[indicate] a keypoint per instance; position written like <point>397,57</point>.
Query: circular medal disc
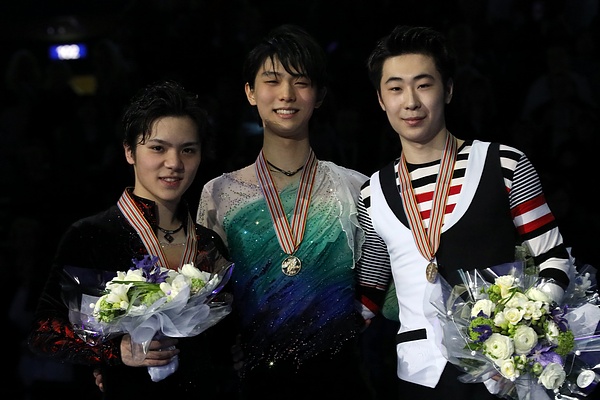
<point>291,265</point>
<point>431,272</point>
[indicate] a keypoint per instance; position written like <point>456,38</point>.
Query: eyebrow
<point>416,78</point>
<point>194,143</point>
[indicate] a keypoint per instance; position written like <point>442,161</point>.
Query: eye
<point>157,148</point>
<point>190,150</point>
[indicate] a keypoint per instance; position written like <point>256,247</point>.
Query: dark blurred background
<point>529,76</point>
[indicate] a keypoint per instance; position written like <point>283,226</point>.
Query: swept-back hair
<point>412,40</point>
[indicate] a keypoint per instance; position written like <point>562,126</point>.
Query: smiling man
<point>444,204</point>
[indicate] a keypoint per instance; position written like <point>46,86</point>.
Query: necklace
<point>168,233</point>
<point>286,173</point>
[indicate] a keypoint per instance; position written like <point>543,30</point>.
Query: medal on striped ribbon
<point>428,243</point>
<point>289,235</point>
<point>135,217</point>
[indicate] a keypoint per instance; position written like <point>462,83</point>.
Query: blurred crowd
<point>529,76</point>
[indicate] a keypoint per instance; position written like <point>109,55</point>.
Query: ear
<point>321,97</point>
<point>129,156</point>
<point>250,94</point>
<point>380,101</point>
<point>449,90</point>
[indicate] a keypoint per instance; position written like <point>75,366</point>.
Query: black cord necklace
<point>168,233</point>
<point>283,171</point>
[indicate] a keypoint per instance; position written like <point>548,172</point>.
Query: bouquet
<point>503,330</point>
<point>147,301</point>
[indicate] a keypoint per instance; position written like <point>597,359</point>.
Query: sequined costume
<point>107,242</point>
<point>289,320</point>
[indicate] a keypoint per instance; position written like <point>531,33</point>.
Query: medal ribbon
<point>289,237</point>
<point>428,243</point>
<point>136,218</point>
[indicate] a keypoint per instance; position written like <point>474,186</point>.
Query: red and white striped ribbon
<point>428,243</point>
<point>135,217</point>
<point>289,237</point>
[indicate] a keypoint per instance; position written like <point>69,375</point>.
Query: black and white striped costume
<point>495,202</point>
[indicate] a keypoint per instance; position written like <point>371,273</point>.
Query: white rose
<point>190,271</point>
<point>553,376</point>
<point>508,369</point>
<point>498,348</point>
<point>500,320</point>
<point>505,283</point>
<point>485,305</point>
<point>536,294</point>
<point>135,275</point>
<point>517,299</point>
<point>513,315</point>
<point>525,339</point>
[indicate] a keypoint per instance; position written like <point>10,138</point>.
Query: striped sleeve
<point>373,268</point>
<point>533,218</point>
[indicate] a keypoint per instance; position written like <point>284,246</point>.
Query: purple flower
<point>557,315</point>
<point>543,354</point>
<point>150,270</point>
<point>484,331</point>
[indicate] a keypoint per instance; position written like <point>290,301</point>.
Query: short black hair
<point>298,52</point>
<point>405,39</point>
<point>158,100</point>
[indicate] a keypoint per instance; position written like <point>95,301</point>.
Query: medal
<point>431,272</point>
<point>291,265</point>
<point>428,240</point>
<point>288,234</point>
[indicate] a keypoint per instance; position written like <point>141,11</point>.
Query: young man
<point>289,221</point>
<point>444,204</point>
<point>166,131</point>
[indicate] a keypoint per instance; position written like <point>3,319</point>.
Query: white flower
<point>533,310</point>
<point>517,299</point>
<point>498,348</point>
<point>485,305</point>
<point>513,315</point>
<point>117,296</point>
<point>505,283</point>
<point>525,339</point>
<point>552,332</point>
<point>553,376</point>
<point>501,321</point>
<point>508,369</point>
<point>536,294</point>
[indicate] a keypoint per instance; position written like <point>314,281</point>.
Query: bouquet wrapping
<point>501,329</point>
<point>147,302</point>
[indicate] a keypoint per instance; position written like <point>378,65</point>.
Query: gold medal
<point>291,265</point>
<point>431,272</point>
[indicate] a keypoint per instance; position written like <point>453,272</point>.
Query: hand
<point>98,379</point>
<point>160,352</point>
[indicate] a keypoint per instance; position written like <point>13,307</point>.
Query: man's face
<point>413,96</point>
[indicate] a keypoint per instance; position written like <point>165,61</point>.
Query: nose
<point>173,160</point>
<point>287,92</point>
<point>412,99</point>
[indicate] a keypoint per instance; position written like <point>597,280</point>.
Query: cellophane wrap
<point>185,315</point>
<point>579,309</point>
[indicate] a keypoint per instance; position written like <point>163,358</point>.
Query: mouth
<point>285,111</point>
<point>170,179</point>
<point>412,121</point>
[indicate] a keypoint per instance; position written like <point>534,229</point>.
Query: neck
<point>289,156</point>
<point>424,152</point>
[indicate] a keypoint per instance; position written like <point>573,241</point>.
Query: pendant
<point>431,272</point>
<point>291,265</point>
<point>169,237</point>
